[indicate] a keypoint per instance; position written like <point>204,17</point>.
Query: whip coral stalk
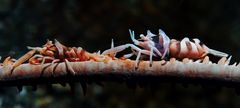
<point>118,70</point>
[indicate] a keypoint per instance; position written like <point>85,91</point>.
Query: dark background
<point>92,24</point>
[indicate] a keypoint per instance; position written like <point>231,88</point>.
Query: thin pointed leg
<point>165,52</point>
<point>166,42</point>
<point>69,67</point>
<point>151,56</point>
<point>150,34</point>
<point>137,59</point>
<point>98,52</point>
<point>123,47</point>
<point>166,46</point>
<point>112,44</point>
<point>146,52</point>
<point>139,55</point>
<point>53,67</point>
<point>132,35</point>
<point>24,58</point>
<point>55,61</point>
<point>116,49</point>
<point>128,55</point>
<point>44,59</point>
<point>157,51</point>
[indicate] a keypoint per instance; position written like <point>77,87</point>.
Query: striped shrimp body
<point>161,46</point>
<point>192,50</point>
<point>59,53</point>
<point>56,53</point>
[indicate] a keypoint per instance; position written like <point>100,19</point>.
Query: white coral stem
<point>172,68</point>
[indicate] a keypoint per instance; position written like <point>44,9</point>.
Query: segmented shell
<point>187,49</point>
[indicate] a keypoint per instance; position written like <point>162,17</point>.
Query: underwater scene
<point>119,54</point>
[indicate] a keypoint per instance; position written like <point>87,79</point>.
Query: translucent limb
<point>99,52</point>
<point>157,51</point>
<point>166,42</point>
<point>46,57</point>
<point>24,58</point>
<point>60,48</point>
<point>128,55</point>
<point>209,50</point>
<point>151,54</point>
<point>34,48</point>
<point>137,59</point>
<point>123,47</point>
<point>217,53</point>
<point>112,46</point>
<point>150,34</point>
<point>69,67</point>
<point>55,61</point>
<point>132,35</point>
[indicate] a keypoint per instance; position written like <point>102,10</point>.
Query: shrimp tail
<point>215,52</point>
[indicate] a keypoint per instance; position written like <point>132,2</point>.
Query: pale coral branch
<point>113,70</point>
